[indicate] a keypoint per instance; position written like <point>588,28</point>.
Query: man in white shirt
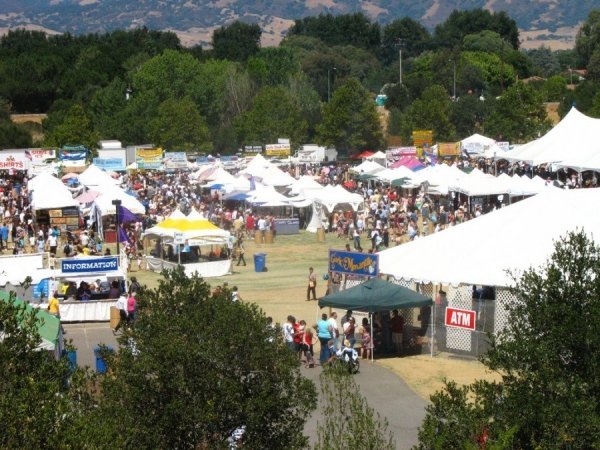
<point>334,326</point>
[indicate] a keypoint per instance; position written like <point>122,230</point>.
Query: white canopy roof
<point>305,183</point>
<point>479,184</point>
<point>48,192</point>
<point>267,196</point>
<point>331,196</point>
<point>389,175</point>
<point>104,202</point>
<point>581,163</point>
<point>515,237</point>
<point>576,134</point>
<point>369,167</point>
<point>478,139</point>
<point>96,177</point>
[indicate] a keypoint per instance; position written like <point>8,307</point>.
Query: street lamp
<point>453,80</point>
<point>399,43</point>
<point>329,83</point>
<point>117,204</point>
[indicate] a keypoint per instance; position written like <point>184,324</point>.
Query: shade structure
<point>104,204</point>
<point>492,248</point>
<point>196,231</point>
<point>94,176</point>
<point>375,295</point>
<point>48,192</point>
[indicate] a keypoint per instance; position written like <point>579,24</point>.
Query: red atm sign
<point>460,318</point>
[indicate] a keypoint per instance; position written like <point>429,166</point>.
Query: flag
<point>122,235</point>
<point>28,155</point>
<point>126,216</point>
<point>252,183</point>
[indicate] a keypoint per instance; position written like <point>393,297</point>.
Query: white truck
<point>312,153</point>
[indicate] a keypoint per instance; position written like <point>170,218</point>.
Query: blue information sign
<point>110,163</point>
<point>354,263</point>
<point>77,265</point>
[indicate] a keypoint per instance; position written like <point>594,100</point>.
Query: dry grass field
<point>281,290</point>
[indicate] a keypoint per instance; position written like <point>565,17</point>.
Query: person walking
<point>121,304</point>
<point>131,308</point>
<point>241,252</point>
<point>312,285</point>
<point>325,334</point>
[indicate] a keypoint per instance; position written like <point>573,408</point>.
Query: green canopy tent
<point>375,295</point>
<point>48,327</point>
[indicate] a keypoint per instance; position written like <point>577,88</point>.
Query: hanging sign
<point>460,318</point>
<point>363,264</point>
<point>86,265</point>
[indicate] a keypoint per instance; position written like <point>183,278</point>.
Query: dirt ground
<point>281,290</point>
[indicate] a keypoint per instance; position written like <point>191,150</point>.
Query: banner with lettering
<point>13,160</point>
<point>81,265</point>
<point>277,149</point>
<point>354,263</point>
<point>149,158</point>
<point>175,160</point>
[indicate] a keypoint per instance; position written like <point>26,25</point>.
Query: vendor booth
<point>195,243</point>
<point>53,203</point>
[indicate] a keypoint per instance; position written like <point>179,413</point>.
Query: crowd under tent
<point>581,163</point>
<point>577,135</point>
<point>487,248</point>
<point>193,242</point>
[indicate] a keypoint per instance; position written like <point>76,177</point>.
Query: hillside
<point>550,21</point>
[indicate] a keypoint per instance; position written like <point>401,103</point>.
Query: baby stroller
<point>349,358</point>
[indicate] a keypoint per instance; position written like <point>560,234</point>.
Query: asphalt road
<point>388,394</point>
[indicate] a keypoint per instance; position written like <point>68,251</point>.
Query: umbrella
<point>88,197</point>
<point>69,175</point>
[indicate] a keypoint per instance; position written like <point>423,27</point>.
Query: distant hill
<point>553,22</point>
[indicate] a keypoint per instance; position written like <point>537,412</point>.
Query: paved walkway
<point>388,394</point>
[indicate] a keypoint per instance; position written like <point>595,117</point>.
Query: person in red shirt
<point>249,225</point>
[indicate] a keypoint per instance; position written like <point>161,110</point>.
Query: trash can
<point>100,363</point>
<point>72,358</point>
<point>260,260</point>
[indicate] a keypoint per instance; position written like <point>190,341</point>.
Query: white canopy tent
<point>95,177</point>
<point>305,183</point>
<point>515,237</point>
<point>48,192</point>
<point>389,175</point>
<point>104,206</point>
<point>577,135</point>
<point>368,167</point>
<point>581,163</point>
<point>476,144</point>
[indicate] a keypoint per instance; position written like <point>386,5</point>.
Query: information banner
<point>422,138</point>
<point>149,158</point>
<point>175,160</point>
<point>277,149</point>
<point>77,265</point>
<point>110,163</point>
<point>353,263</point>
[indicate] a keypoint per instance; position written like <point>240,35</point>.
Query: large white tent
<point>95,177</point>
<point>576,134</point>
<point>104,206</point>
<point>368,167</point>
<point>481,250</point>
<point>476,144</point>
<point>48,192</point>
<point>581,163</point>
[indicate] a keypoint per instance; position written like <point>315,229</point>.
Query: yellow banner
<point>448,149</point>
<point>422,138</point>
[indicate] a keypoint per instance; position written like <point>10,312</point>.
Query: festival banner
<point>110,163</point>
<point>353,263</point>
<point>277,149</point>
<point>86,265</point>
<point>13,160</point>
<point>149,158</point>
<point>175,160</point>
<point>73,155</point>
<point>39,155</point>
<point>503,145</point>
<point>422,138</point>
<point>252,150</point>
<point>449,149</point>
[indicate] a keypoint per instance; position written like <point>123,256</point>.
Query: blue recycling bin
<point>72,358</point>
<point>260,260</point>
<point>100,362</point>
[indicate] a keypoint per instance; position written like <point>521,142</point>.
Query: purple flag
<point>122,235</point>
<point>126,216</point>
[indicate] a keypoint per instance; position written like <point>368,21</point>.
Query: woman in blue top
<point>324,333</point>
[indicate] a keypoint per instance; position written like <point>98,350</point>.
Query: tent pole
<point>432,329</point>
<point>372,338</point>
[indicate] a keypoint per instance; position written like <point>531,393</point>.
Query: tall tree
<point>588,38</point>
<point>406,35</point>
<point>75,128</point>
<point>547,356</point>
<point>350,120</point>
<point>179,126</point>
<point>236,42</point>
<point>519,115</point>
<point>196,367</point>
<point>432,111</point>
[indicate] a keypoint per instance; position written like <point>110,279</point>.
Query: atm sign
<point>460,318</point>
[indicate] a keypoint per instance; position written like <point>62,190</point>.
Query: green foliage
<point>549,396</point>
<point>519,115</point>
<point>236,42</point>
<point>349,29</point>
<point>462,23</point>
<point>275,113</point>
<point>194,368</point>
<point>588,38</point>
<point>39,399</point>
<point>179,126</point>
<point>350,120</point>
<point>75,128</point>
<point>494,71</point>
<point>469,113</point>
<point>485,41</point>
<point>544,61</point>
<point>554,89</point>
<point>431,112</point>
<point>348,420</point>
<point>273,65</point>
<point>404,34</point>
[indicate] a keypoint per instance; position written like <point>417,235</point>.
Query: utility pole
<point>399,44</point>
